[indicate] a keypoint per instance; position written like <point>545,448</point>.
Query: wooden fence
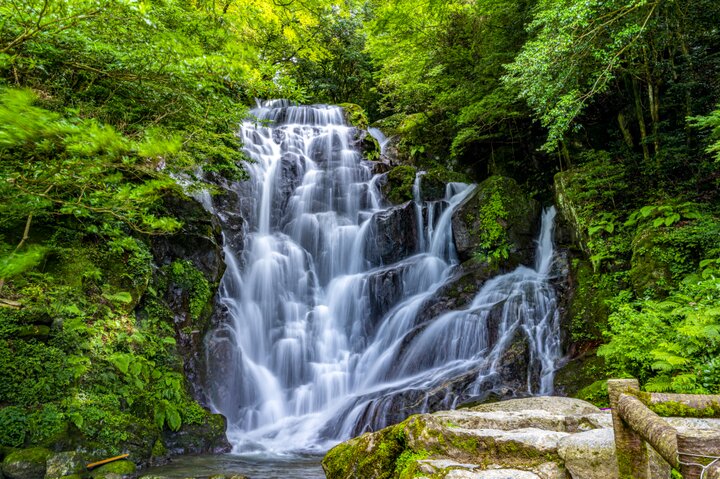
<point>693,452</point>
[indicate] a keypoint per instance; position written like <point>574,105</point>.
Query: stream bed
<point>254,466</point>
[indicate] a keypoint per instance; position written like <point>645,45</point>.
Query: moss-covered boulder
<point>122,469</point>
<point>206,436</point>
<point>397,185</point>
<point>433,183</point>
<point>522,435</point>
<point>355,115</point>
<point>497,222</point>
<point>26,463</point>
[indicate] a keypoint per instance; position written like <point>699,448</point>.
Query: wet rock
<point>394,235</point>
<point>497,220</point>
<point>458,291</point>
<point>206,438</point>
<point>434,182</point>
<point>64,464</point>
<point>198,246</point>
<point>26,463</point>
<point>234,202</point>
<point>385,290</point>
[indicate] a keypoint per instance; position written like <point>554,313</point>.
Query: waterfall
<point>323,337</point>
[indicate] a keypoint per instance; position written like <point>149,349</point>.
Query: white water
<point>310,354</point>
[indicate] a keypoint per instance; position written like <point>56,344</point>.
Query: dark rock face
<point>459,291</point>
<point>199,243</point>
<point>394,234</point>
<point>498,215</point>
<point>206,438</point>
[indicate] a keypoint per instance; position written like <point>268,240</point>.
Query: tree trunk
<point>641,121</point>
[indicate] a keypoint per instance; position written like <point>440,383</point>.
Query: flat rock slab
<point>503,420</point>
<point>491,474</point>
<point>551,404</point>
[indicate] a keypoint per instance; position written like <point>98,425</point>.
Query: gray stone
<point>491,474</point>
<point>550,404</point>
<point>64,464</point>
<point>505,421</point>
<point>590,454</point>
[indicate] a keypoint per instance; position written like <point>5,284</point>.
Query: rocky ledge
<point>531,438</point>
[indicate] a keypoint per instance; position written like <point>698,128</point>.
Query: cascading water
<point>323,338</point>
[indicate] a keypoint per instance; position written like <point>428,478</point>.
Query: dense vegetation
<point>104,104</point>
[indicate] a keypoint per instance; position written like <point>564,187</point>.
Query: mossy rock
<point>207,436</point>
<point>497,222</point>
<point>434,182</point>
<point>588,311</point>
<point>398,184</point>
<point>26,463</point>
<point>579,374</point>
<point>122,467</point>
<point>395,452</point>
<point>596,393</point>
<point>372,455</point>
<point>355,115</point>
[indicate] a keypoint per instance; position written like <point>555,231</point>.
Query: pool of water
<point>295,466</point>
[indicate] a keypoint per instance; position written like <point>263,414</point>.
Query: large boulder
<point>26,463</point>
<point>207,437</point>
<point>392,235</point>
<point>497,222</point>
<point>519,435</point>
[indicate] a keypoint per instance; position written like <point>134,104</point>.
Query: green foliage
<point>710,122</point>
<point>493,239</point>
<point>188,277</point>
<point>399,185</point>
<point>673,343</point>
<point>13,422</point>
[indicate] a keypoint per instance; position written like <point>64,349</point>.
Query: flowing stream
<point>324,335</point>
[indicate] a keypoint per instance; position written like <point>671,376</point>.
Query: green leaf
<point>120,297</point>
<point>121,361</point>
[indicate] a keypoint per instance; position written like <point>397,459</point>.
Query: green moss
<point>399,186</point>
<point>406,464</point>
<point>596,393</point>
<point>676,409</point>
<point>185,275</point>
<point>588,311</point>
<point>501,207</point>
<point>37,455</point>
<point>355,115</point>
<point>159,449</point>
<point>121,467</point>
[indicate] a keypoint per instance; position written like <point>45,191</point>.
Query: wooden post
<point>698,448</point>
<point>654,430</point>
<point>632,455</point>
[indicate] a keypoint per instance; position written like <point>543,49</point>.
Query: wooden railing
<point>693,452</point>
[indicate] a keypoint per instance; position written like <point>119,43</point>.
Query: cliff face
<point>103,347</point>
